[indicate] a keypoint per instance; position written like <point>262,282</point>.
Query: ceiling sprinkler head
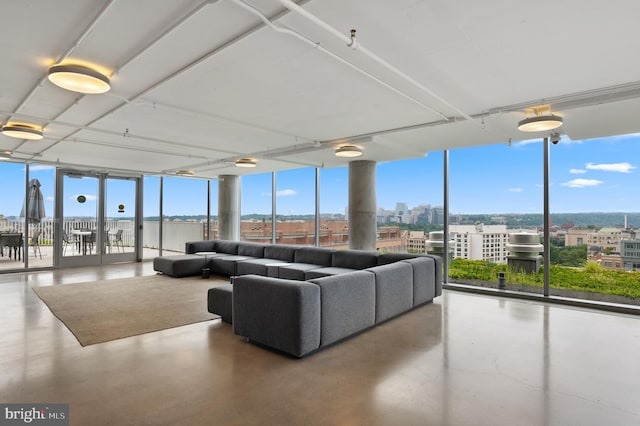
<point>353,43</point>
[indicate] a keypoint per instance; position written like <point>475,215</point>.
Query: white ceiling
<point>197,84</point>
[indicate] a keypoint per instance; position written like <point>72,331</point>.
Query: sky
<point>586,176</point>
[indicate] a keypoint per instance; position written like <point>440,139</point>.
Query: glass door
<point>120,216</point>
<point>98,218</point>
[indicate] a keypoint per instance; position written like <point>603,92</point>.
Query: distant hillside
<point>597,219</point>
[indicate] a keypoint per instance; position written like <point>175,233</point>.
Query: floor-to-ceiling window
<point>334,200</point>
<point>409,194</point>
<point>184,212</point>
<point>256,209</point>
<point>11,224</point>
<point>295,206</point>
<point>496,191</point>
<point>595,213</point>
<point>41,231</point>
<point>151,217</point>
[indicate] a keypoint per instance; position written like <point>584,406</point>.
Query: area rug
<point>100,311</point>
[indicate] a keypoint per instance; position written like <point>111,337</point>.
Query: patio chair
<point>35,243</point>
<point>65,242</point>
<point>117,240</point>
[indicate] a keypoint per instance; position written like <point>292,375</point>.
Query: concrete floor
<point>464,360</point>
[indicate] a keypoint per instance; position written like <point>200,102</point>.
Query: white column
<point>229,207</point>
<point>362,205</point>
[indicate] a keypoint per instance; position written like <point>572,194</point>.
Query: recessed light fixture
<point>78,78</point>
<point>5,154</point>
<point>246,162</point>
<point>185,172</point>
<point>22,131</point>
<point>348,151</point>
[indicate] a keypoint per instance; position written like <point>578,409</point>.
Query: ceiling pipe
<point>216,50</point>
<point>324,50</point>
<point>357,45</point>
<point>66,54</point>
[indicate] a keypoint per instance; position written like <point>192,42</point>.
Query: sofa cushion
<point>326,272</point>
<point>313,255</point>
<point>394,289</point>
<point>226,265</point>
<point>182,265</point>
<point>256,266</point>
<point>386,258</point>
<point>280,252</point>
<point>220,301</point>
<point>224,246</point>
<point>191,247</point>
<point>250,249</point>
<point>424,288</point>
<point>282,314</point>
<point>296,271</point>
<point>348,305</point>
<point>354,259</point>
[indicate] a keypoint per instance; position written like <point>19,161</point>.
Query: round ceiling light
<point>540,123</point>
<point>246,162</point>
<point>185,172</point>
<point>348,151</point>
<point>22,131</point>
<point>79,79</point>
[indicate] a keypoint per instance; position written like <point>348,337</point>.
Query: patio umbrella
<point>36,203</point>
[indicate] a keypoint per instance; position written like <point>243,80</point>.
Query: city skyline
<point>597,175</point>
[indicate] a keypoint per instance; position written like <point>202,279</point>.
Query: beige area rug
<point>100,311</point>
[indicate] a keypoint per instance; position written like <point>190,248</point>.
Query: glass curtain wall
<point>295,207</point>
<point>496,193</point>
<point>595,214</point>
<point>11,224</point>
<point>213,225</point>
<point>41,231</point>
<point>151,219</point>
<point>256,210</point>
<point>410,200</point>
<point>184,212</point>
<point>334,200</point>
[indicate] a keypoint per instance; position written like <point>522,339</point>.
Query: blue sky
<point>586,176</point>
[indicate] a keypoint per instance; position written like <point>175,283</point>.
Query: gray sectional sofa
<point>301,299</point>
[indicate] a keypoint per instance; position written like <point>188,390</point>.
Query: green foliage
<point>568,256</point>
<point>591,278</point>
<point>592,267</point>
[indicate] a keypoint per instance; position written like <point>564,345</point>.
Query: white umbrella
<point>36,203</point>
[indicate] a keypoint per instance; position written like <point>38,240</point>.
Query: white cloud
<point>286,193</point>
<point>577,171</point>
<point>582,183</point>
<point>40,167</point>
<point>613,167</point>
<point>515,189</point>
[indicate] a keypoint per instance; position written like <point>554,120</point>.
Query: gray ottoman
<point>182,265</point>
<point>220,302</point>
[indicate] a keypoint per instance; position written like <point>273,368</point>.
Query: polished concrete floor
<point>464,360</point>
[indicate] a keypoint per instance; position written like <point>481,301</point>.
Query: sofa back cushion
<point>251,249</point>
<point>394,289</point>
<point>224,246</point>
<point>348,303</point>
<point>386,258</point>
<point>314,256</point>
<point>354,259</point>
<point>191,247</point>
<point>280,252</point>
